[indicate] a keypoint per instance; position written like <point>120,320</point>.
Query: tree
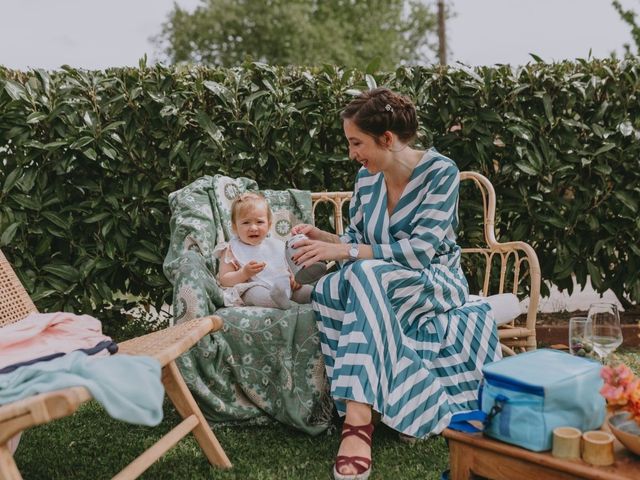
<point>629,17</point>
<point>351,33</point>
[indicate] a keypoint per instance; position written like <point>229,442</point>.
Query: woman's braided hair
<point>379,110</point>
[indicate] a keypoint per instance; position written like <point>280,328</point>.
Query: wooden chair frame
<point>511,256</point>
<point>165,346</point>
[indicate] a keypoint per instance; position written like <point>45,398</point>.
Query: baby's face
<point>252,225</point>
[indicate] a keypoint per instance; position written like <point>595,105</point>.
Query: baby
<point>253,269</point>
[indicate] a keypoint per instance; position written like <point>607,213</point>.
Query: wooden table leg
<point>461,461</point>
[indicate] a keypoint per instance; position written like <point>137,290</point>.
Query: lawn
<point>91,445</point>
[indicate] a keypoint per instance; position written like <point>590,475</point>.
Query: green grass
<point>91,445</point>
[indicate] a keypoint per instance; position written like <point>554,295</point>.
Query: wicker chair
<point>165,346</point>
<point>518,269</point>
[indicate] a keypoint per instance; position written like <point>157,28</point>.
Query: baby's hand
<point>252,268</point>
<point>294,285</point>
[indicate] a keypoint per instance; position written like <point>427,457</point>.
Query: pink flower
<point>633,405</point>
<point>621,389</point>
<point>632,389</point>
<point>624,374</point>
<point>614,395</point>
<point>607,374</point>
<point>618,375</point>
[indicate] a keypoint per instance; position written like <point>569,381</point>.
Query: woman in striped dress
<point>399,342</point>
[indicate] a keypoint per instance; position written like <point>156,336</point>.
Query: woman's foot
<point>353,461</point>
<point>354,456</point>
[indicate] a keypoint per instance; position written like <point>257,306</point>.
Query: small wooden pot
<point>566,442</point>
<point>597,448</point>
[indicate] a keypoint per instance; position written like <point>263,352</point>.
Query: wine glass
<point>579,342</point>
<point>605,332</point>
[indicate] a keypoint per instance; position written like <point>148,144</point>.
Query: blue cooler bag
<point>525,397</point>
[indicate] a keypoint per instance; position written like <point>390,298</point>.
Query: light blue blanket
<point>128,387</point>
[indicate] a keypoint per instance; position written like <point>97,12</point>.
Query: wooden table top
<point>626,466</point>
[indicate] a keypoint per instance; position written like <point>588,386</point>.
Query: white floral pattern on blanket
<point>265,364</point>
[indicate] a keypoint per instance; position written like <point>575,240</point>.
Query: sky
<point>485,32</point>
<point>96,34</point>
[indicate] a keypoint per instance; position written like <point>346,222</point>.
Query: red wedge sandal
<point>361,464</point>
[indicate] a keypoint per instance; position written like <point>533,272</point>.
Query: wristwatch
<point>354,249</point>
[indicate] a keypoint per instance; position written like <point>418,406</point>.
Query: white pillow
<point>505,306</point>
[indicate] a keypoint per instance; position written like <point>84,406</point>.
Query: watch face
<point>353,253</point>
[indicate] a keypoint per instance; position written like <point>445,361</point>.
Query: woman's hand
<point>314,233</point>
<point>309,252</point>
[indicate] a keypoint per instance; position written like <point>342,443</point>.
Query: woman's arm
<point>328,246</point>
<point>432,221</point>
<point>309,252</point>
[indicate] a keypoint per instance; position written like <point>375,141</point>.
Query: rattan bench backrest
<point>15,303</point>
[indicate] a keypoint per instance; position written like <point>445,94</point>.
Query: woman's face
<point>363,148</point>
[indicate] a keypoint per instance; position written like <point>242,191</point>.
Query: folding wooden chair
<point>165,346</point>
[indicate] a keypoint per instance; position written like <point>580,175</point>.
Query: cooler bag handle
<point>460,421</point>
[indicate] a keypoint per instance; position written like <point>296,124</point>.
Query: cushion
<point>289,207</point>
<point>505,306</point>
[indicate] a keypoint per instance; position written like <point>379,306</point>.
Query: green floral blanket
<point>265,364</point>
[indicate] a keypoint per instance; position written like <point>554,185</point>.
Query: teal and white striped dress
<point>395,330</point>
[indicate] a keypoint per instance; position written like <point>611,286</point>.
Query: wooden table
<point>474,454</point>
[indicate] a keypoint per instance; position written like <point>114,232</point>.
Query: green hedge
<point>87,159</point>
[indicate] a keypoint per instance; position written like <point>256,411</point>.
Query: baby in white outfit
<point>253,269</point>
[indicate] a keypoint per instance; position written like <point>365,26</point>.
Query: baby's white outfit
<point>275,274</point>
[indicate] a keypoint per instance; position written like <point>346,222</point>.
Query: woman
<point>397,337</point>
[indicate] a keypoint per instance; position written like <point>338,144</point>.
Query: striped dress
<point>395,330</point>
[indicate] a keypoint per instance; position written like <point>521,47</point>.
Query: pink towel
<point>13,442</point>
<point>42,334</point>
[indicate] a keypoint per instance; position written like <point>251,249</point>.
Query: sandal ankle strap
<point>364,432</point>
